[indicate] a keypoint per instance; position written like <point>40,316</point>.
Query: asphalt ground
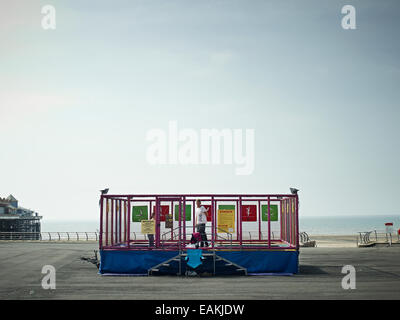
<point>320,276</point>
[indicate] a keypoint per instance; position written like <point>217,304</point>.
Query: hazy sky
<point>76,102</point>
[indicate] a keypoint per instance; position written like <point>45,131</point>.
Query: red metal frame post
<point>112,222</point>
<point>106,233</point>
<point>172,212</point>
<point>101,223</point>
<point>184,221</point>
<point>213,224</point>
<point>240,219</point>
<point>269,222</point>
<point>180,226</point>
<point>297,222</point>
<point>193,213</point>
<point>157,220</point>
<point>290,222</point>
<point>129,221</point>
<point>259,220</point>
<point>120,221</point>
<point>280,219</point>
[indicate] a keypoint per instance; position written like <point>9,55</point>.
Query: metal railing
<point>175,235</point>
<point>370,237</point>
<point>49,236</point>
<point>304,238</point>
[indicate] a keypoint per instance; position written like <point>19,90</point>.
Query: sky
<point>77,102</point>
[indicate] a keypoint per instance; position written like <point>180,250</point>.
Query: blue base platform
<point>139,262</point>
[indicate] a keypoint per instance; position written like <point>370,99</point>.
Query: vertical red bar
<point>112,222</point>
<point>297,222</point>
<point>126,222</point>
<point>180,225</point>
<point>129,221</point>
<point>280,219</point>
<point>269,222</point>
<point>287,231</point>
<point>291,221</point>
<point>106,233</point>
<point>294,220</point>
<point>237,222</point>
<point>283,220</point>
<point>120,221</point>
<point>239,208</point>
<point>193,213</point>
<point>101,223</point>
<point>172,213</point>
<point>157,216</point>
<point>259,220</point>
<point>184,221</point>
<point>213,228</point>
<point>288,220</point>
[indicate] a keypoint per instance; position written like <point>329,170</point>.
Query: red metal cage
<point>261,221</point>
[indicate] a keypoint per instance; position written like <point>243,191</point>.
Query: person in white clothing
<point>201,220</point>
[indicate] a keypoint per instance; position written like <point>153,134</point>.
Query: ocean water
<point>329,225</point>
<point>336,225</point>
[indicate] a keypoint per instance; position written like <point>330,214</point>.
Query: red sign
<point>164,210</point>
<point>208,213</point>
<point>249,212</point>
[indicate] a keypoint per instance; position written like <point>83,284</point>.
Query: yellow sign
<point>226,221</point>
<point>169,223</point>
<point>148,226</point>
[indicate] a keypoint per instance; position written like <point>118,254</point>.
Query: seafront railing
<point>49,236</point>
<point>366,238</point>
<point>94,236</point>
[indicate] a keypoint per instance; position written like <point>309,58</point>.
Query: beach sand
<point>335,241</point>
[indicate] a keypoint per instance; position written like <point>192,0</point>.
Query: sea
<point>322,225</point>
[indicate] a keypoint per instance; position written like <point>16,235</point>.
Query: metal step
<point>203,254</point>
<point>222,262</point>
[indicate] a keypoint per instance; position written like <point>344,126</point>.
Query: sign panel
<point>226,221</point>
<point>273,212</point>
<point>188,212</point>
<point>148,226</point>
<point>208,213</point>
<point>249,212</point>
<point>168,221</point>
<point>164,210</point>
<point>139,213</point>
<point>389,227</point>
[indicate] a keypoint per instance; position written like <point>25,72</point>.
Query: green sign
<point>273,212</point>
<point>139,213</point>
<point>226,207</point>
<point>188,212</point>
